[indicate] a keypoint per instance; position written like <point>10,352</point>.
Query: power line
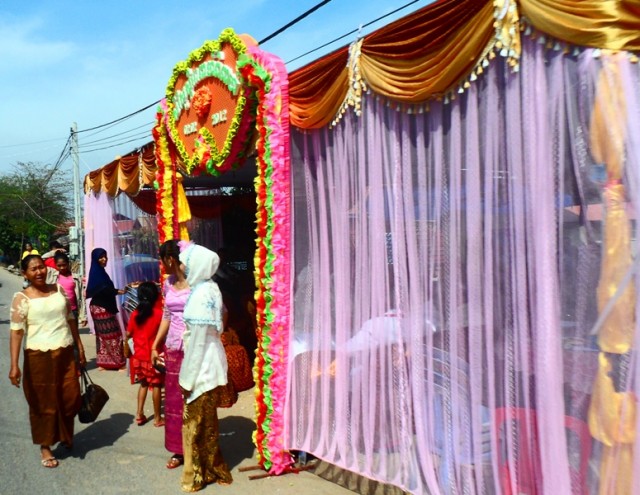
<point>14,195</point>
<point>111,139</point>
<point>120,119</point>
<point>295,21</point>
<point>145,125</point>
<point>261,42</point>
<point>64,154</point>
<point>352,31</point>
<point>112,146</point>
<point>33,142</point>
<point>264,40</point>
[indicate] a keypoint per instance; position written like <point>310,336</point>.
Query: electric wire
<point>64,154</point>
<point>264,40</point>
<point>112,146</point>
<point>279,31</point>
<point>106,128</point>
<point>120,119</point>
<point>31,143</point>
<point>15,195</point>
<point>293,22</point>
<point>111,139</point>
<point>353,31</point>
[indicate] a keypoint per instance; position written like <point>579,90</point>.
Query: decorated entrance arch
<point>222,96</point>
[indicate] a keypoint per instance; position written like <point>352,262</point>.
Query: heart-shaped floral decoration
<point>209,108</point>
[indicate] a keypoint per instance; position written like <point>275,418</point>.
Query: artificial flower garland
<point>268,75</point>
<point>169,226</point>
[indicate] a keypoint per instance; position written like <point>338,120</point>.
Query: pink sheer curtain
<point>445,285</point>
<point>99,227</point>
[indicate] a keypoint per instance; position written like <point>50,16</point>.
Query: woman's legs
<point>158,420</point>
<point>175,461</point>
<point>142,397</point>
<point>47,458</point>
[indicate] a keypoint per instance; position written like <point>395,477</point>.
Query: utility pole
<point>77,197</point>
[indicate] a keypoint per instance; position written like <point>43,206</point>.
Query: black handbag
<point>94,397</point>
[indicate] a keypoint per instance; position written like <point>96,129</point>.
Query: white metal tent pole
<point>77,197</point>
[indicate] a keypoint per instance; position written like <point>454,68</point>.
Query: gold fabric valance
<point>610,24</point>
<point>410,60</point>
<point>423,55</point>
<point>431,52</point>
<point>127,174</point>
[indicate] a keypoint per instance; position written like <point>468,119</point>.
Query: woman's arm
<point>19,312</point>
<point>73,325</point>
<point>15,343</point>
<point>82,309</point>
<point>163,330</point>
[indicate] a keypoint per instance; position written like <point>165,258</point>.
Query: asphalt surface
<point>114,455</point>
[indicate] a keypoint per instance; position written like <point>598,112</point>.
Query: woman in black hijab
<point>103,309</point>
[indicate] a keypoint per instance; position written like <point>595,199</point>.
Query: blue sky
<point>95,62</point>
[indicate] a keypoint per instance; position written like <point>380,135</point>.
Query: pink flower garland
<point>273,114</point>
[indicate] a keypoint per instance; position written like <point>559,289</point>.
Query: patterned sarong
<point>109,339</point>
<point>173,401</point>
<point>203,462</point>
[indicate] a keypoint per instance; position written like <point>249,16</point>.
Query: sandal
<point>140,420</point>
<point>175,461</point>
<point>50,462</point>
<point>159,423</point>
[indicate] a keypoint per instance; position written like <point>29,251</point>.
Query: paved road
<point>114,455</point>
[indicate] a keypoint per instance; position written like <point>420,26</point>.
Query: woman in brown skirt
<point>42,313</point>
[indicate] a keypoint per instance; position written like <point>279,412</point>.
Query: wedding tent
<point>436,309</point>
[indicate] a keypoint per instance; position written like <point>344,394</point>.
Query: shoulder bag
<point>94,397</point>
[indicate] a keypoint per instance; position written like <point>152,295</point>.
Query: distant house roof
<point>125,226</point>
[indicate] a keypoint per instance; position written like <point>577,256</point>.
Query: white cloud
<point>23,48</point>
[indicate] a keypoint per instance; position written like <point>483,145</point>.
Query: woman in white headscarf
<point>203,374</point>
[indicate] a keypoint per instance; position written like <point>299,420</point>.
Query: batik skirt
<point>203,462</point>
<point>109,339</point>
<point>173,401</point>
<point>52,390</point>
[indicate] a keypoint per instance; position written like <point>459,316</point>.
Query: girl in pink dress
<point>176,293</point>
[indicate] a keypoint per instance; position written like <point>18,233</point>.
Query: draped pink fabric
<point>99,227</point>
<point>445,288</point>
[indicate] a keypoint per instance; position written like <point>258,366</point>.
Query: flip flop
<point>175,462</point>
<point>158,424</point>
<point>141,420</point>
<point>49,463</point>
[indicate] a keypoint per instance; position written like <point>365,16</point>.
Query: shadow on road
<point>235,439</point>
<point>102,433</point>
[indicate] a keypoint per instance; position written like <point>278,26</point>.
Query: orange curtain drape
<point>410,60</point>
<point>317,90</point>
<point>124,174</point>
<point>611,24</point>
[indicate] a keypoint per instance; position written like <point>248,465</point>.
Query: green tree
<point>34,200</point>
